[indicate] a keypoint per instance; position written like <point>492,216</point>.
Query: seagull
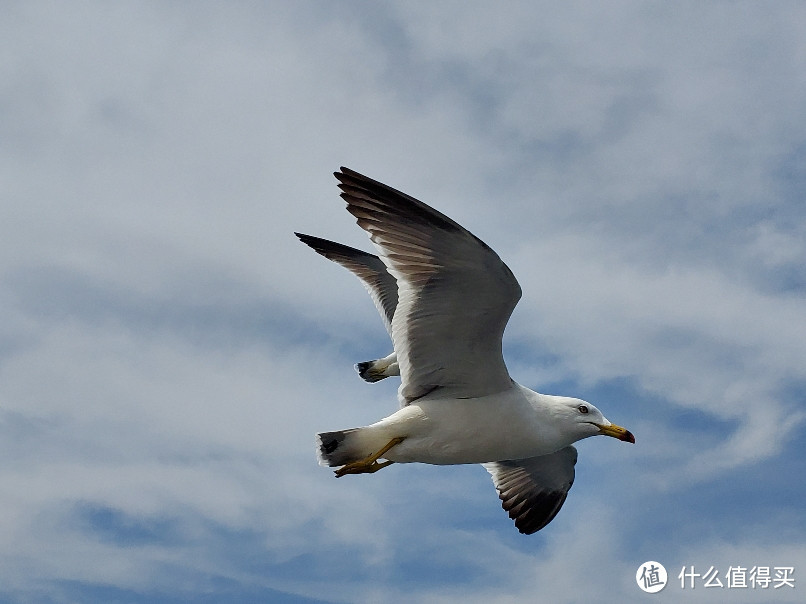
<point>446,297</point>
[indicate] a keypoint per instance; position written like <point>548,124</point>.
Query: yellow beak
<point>616,432</point>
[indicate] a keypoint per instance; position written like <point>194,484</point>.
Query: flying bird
<point>445,297</point>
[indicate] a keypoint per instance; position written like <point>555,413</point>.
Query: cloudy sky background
<point>168,349</point>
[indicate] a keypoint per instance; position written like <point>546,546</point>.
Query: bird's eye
<point>583,408</point>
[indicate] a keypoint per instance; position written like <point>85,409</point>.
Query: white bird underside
<point>445,298</point>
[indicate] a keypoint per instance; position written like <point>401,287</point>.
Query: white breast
<point>454,431</point>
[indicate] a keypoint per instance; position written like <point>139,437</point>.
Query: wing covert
<point>455,295</point>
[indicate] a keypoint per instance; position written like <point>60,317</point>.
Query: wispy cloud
<point>168,350</point>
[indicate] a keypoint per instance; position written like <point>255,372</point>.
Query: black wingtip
<point>316,243</point>
<point>308,240</point>
<point>332,250</point>
<point>345,174</point>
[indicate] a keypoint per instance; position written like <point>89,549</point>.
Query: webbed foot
<point>370,464</point>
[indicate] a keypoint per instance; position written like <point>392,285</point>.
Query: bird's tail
<point>379,369</point>
<point>368,372</point>
<point>342,447</point>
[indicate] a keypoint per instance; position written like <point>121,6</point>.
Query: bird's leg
<point>369,464</point>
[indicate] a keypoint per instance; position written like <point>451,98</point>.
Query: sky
<point>168,349</point>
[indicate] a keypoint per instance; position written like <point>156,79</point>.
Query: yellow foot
<point>361,467</point>
<point>369,465</point>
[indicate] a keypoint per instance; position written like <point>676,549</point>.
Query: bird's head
<point>589,421</point>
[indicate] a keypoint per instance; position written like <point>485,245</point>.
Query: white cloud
<point>167,348</point>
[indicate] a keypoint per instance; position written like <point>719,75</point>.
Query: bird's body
<point>445,298</point>
<point>512,424</point>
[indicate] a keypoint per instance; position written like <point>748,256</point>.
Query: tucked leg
<point>370,464</point>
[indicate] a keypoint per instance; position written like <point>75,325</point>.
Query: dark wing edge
<point>533,490</point>
<point>372,272</point>
<point>352,182</point>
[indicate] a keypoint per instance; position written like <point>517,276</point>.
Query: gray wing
<point>455,295</point>
<point>533,490</point>
<point>381,286</point>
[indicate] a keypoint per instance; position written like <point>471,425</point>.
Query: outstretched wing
<point>367,267</point>
<point>533,490</point>
<point>455,295</point>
